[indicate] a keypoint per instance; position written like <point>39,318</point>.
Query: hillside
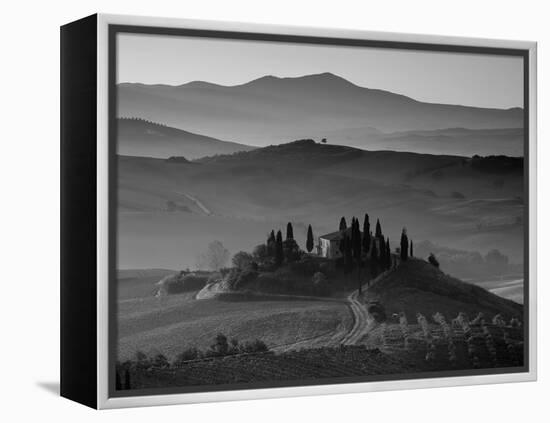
<point>137,137</point>
<point>166,205</point>
<point>271,109</point>
<point>440,174</point>
<point>418,287</point>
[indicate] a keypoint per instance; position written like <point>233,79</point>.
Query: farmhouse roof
<point>334,236</point>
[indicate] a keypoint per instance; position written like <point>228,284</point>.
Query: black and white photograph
<point>296,213</point>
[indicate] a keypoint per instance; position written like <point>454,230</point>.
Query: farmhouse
<point>329,244</point>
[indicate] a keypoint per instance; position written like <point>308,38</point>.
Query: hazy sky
<point>452,78</point>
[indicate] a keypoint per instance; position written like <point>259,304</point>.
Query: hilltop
<point>416,286</point>
<point>493,176</point>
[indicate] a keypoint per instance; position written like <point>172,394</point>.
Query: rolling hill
<point>239,198</point>
<point>271,109</point>
<point>416,286</point>
<point>137,137</point>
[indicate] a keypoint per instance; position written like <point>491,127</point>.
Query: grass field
<point>171,324</point>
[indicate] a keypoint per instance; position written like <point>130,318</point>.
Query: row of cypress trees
<point>287,249</point>
<point>354,245</point>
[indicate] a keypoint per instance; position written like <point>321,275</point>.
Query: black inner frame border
<point>115,29</point>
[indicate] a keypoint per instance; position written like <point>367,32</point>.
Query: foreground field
<point>171,324</point>
<point>487,348</point>
<point>411,319</point>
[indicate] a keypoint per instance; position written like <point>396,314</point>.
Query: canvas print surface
<point>298,213</point>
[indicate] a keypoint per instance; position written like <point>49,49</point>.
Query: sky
<point>434,77</point>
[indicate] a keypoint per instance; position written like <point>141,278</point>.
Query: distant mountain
<point>271,110</point>
<point>137,137</point>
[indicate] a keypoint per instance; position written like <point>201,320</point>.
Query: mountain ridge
<point>270,109</point>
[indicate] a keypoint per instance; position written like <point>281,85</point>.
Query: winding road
<point>362,324</point>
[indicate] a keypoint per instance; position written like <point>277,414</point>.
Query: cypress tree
<point>366,234</point>
<point>343,225</point>
<point>271,244</point>
<point>382,253</point>
<point>127,384</point>
<point>348,255</point>
<point>411,253</point>
<point>356,239</point>
<point>378,233</point>
<point>374,258</point>
<point>388,254</point>
<point>309,240</point>
<point>404,245</point>
<point>289,231</point>
<point>279,253</point>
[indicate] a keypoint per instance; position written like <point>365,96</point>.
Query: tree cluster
<point>285,250</point>
<point>355,245</point>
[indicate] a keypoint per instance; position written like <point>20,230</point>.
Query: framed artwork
<point>254,211</point>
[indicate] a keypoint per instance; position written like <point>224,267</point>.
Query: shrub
<point>234,347</point>
<point>183,282</point>
<point>433,261</point>
<point>242,260</point>
<point>220,347</point>
<point>239,279</point>
<point>254,346</point>
<point>142,361</point>
<point>260,252</point>
<point>186,355</point>
<point>499,321</point>
<point>160,362</point>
